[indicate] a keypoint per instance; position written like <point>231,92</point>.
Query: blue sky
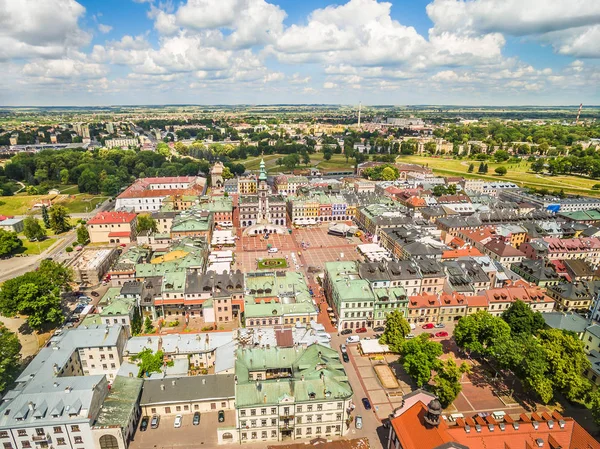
<point>471,52</point>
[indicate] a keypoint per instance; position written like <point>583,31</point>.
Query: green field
<point>517,173</point>
<point>22,204</point>
<point>337,162</point>
<point>35,248</point>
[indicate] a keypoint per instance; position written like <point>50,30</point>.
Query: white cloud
<point>329,85</point>
<point>62,69</point>
<point>30,28</point>
<point>297,78</point>
<point>104,28</point>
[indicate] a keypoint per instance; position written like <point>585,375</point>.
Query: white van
<point>273,250</point>
<point>352,339</point>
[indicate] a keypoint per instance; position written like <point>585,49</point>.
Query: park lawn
<point>35,248</point>
<point>337,162</point>
<point>82,203</point>
<point>517,173</point>
<point>265,264</point>
<point>20,204</point>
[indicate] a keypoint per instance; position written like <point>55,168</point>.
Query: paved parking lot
<point>281,241</point>
<point>187,436</point>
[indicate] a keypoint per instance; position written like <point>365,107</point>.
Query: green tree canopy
<point>149,362</point>
<point>522,319</point>
<point>146,223</point>
<point>396,329</point>
<point>478,332</point>
<point>10,357</point>
<point>9,242</point>
<point>59,219</point>
<point>447,380</point>
<point>419,357</point>
<point>33,229</point>
<point>83,236</point>
<point>501,170</point>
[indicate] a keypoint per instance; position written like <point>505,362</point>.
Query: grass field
<point>337,162</point>
<point>517,173</point>
<point>23,204</point>
<point>35,248</point>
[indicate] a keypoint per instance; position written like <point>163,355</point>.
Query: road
<point>17,266</point>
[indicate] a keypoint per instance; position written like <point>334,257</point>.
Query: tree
<point>146,223</point>
<point>9,242</point>
<point>10,357</point>
<point>447,381</point>
<point>149,362</point>
<point>64,176</point>
<point>136,321</point>
<point>396,329</point>
<point>89,182</point>
<point>111,185</point>
<point>522,319</point>
<point>83,236</point>
<point>327,154</point>
<point>36,294</point>
<point>32,229</point>
<point>387,174</point>
<point>481,168</point>
<point>501,156</point>
<point>501,170</point>
<point>227,173</point>
<point>419,357</point>
<point>291,160</point>
<point>148,328</point>
<point>163,149</point>
<point>59,219</point>
<point>45,217</point>
<point>306,158</point>
<point>471,168</point>
<point>538,165</point>
<point>478,332</point>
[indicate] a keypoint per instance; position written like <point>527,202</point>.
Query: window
<point>75,428</point>
<point>253,412</point>
<point>253,423</point>
<point>60,441</point>
<point>273,434</point>
<point>309,431</point>
<point>299,408</point>
<point>273,410</point>
<point>273,422</point>
<point>263,422</point>
<point>153,410</point>
<point>22,432</point>
<point>242,412</point>
<point>254,435</point>
<point>309,418</point>
<point>244,436</point>
<point>8,446</point>
<point>264,434</point>
<point>39,432</point>
<point>318,430</point>
<point>26,444</point>
<point>178,408</point>
<point>338,416</point>
<point>319,407</point>
<point>78,440</point>
<point>340,405</point>
<point>309,408</point>
<point>4,434</point>
<point>57,430</point>
<point>223,404</point>
<point>298,431</point>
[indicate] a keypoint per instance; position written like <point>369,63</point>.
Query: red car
<point>428,326</point>
<point>361,330</point>
<point>441,334</point>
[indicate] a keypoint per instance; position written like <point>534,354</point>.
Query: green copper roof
<point>263,172</point>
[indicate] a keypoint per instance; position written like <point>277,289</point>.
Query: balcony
<point>286,417</point>
<point>286,425</point>
<point>38,438</point>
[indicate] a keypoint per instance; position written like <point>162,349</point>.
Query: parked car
<point>346,331</point>
<point>379,329</point>
<point>352,339</point>
<point>196,420</point>
<point>409,336</point>
<point>440,326</point>
<point>358,422</point>
<point>144,424</point>
<point>428,326</point>
<point>361,330</point>
<point>177,423</point>
<point>366,403</point>
<point>96,294</point>
<point>441,334</point>
<point>221,416</point>
<point>155,421</point>
<point>343,348</point>
<point>273,250</point>
<point>345,357</point>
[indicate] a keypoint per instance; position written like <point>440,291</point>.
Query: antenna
<point>360,104</point>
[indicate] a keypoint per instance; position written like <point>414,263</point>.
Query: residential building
<point>418,424</point>
<point>572,296</point>
<point>540,272</point>
<point>147,194</point>
<point>503,253</point>
<point>187,395</point>
<point>289,185</point>
<point>247,185</point>
<point>112,227</point>
<point>423,308</point>
<point>12,224</point>
<point>290,393</point>
<point>122,142</point>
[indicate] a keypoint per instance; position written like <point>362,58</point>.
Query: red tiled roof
<point>456,253</point>
<point>414,434</point>
<point>502,249</point>
<point>423,300</point>
<point>119,234</point>
<point>112,217</point>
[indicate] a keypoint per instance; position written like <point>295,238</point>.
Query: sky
<point>451,52</point>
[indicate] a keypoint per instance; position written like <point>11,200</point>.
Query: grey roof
<point>121,403</point>
<point>187,389</point>
<point>179,343</point>
<point>219,284</point>
<point>132,288</point>
<point>566,321</point>
<point>594,329</point>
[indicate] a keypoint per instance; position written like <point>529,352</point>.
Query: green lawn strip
<point>35,248</point>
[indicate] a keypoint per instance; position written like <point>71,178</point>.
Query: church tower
<point>263,200</point>
<point>216,174</point>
